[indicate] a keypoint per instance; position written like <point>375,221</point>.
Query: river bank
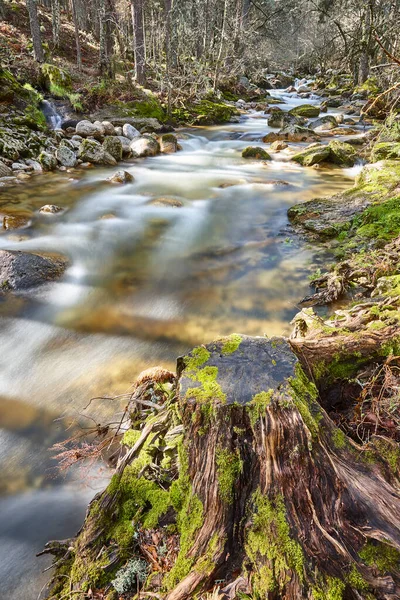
<point>272,268</point>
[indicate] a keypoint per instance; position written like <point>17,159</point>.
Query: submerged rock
<point>278,146</point>
<point>121,177</point>
<point>23,270</point>
<point>255,152</point>
<point>51,209</point>
<point>165,201</point>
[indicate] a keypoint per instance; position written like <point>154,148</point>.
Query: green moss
<point>255,152</point>
<point>312,156</point>
<point>229,467</point>
<point>371,85</point>
<point>384,150</point>
<point>204,112</point>
<point>356,580</point>
<point>257,407</point>
<point>331,589</point>
<point>342,154</point>
<point>381,556</point>
<point>380,221</point>
<point>197,358</point>
<point>209,390</point>
<point>305,110</point>
<point>206,563</point>
<point>148,107</point>
<point>231,344</point>
<point>339,438</point>
<point>388,450</point>
<point>305,394</point>
<point>56,78</point>
<point>130,438</point>
<point>269,538</point>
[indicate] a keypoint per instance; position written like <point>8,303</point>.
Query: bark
<point>77,38</point>
<point>55,21</point>
<point>2,9</point>
<point>139,49</point>
<point>35,30</point>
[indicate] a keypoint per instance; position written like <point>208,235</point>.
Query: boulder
<point>278,146</point>
<point>87,129</point>
<point>109,128</point>
<point>342,154</point>
<point>305,110</point>
<point>313,155</point>
<point>281,119</point>
<point>255,152</point>
<point>48,161</point>
<point>92,151</point>
<point>22,270</point>
<point>121,177</point>
<point>139,123</point>
<point>4,170</point>
<point>383,150</point>
<point>130,131</point>
<point>324,123</point>
<point>113,145</point>
<point>126,145</point>
<point>66,157</point>
<point>144,146</point>
<point>18,166</point>
<point>292,133</point>
<point>168,143</point>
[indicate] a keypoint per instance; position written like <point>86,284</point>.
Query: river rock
<point>87,129</point>
<point>121,177</point>
<point>92,151</point>
<point>48,161</point>
<point>324,123</point>
<point>20,167</point>
<point>36,166</point>
<point>126,145</point>
<point>281,119</point>
<point>113,145</point>
<point>22,270</point>
<point>278,146</point>
<point>4,170</point>
<point>144,146</point>
<point>313,155</point>
<point>109,128</point>
<point>66,157</point>
<point>166,201</point>
<point>119,131</point>
<point>305,110</point>
<point>255,152</point>
<point>168,143</point>
<point>130,132</point>
<point>50,209</point>
<point>383,150</point>
<point>292,133</point>
<point>342,154</point>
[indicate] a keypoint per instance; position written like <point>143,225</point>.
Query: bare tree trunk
<point>2,9</point>
<point>35,30</point>
<point>221,47</point>
<point>77,39</point>
<point>55,21</point>
<point>139,50</point>
<point>363,67</point>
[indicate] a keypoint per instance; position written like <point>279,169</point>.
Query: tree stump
<point>272,500</point>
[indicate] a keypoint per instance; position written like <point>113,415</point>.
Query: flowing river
<point>146,282</point>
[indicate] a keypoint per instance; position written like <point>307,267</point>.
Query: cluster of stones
<point>99,143</point>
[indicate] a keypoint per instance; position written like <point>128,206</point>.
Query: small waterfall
<point>53,118</point>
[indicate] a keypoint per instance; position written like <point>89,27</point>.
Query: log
<point>271,499</point>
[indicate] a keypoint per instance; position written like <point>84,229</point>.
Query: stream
<point>146,282</point>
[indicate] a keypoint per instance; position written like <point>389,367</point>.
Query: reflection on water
<point>144,285</point>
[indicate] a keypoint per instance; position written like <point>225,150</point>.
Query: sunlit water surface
<point>146,283</point>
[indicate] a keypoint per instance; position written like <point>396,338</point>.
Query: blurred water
<point>146,282</point>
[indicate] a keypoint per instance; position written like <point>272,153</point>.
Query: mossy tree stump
<point>272,500</point>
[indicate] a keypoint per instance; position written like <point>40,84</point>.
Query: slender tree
<point>35,30</point>
<point>55,21</point>
<point>77,38</point>
<point>139,41</point>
